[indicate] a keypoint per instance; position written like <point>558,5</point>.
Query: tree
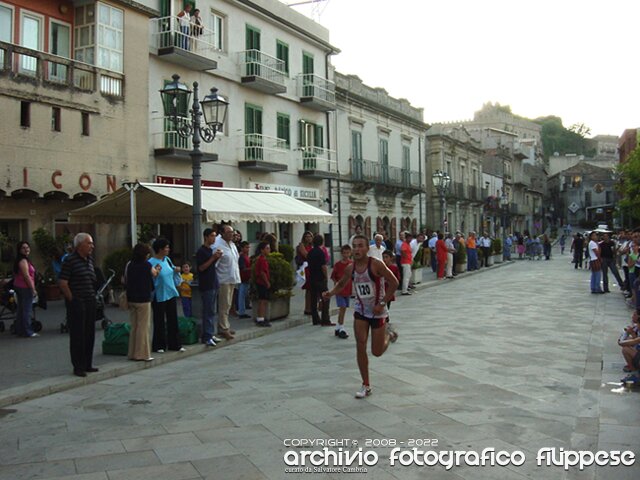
<point>581,129</point>
<point>557,138</point>
<point>629,187</point>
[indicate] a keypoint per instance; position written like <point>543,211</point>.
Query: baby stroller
<point>100,301</point>
<point>9,305</point>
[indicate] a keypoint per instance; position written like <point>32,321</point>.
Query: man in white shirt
<point>228,271</point>
<point>184,19</point>
<point>376,250</point>
<point>432,247</point>
<point>595,263</point>
<point>485,244</point>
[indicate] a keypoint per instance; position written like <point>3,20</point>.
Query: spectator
<point>302,250</point>
<point>595,264</point>
<point>78,285</point>
<point>406,260</point>
<point>318,276</point>
<point>432,248</point>
<point>577,246</point>
<point>451,250</point>
<point>24,284</point>
<point>197,27</point>
<point>342,297</point>
<point>208,283</point>
<point>387,258</point>
<point>138,280</point>
<point>164,304</point>
<point>185,289</point>
<point>608,253</point>
<point>184,20</point>
<point>630,343</point>
<point>472,252</point>
<point>441,255</point>
<point>263,282</point>
<point>485,244</point>
<point>244,263</point>
<point>228,271</point>
<point>378,247</point>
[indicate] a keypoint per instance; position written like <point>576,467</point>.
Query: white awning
<point>161,203</point>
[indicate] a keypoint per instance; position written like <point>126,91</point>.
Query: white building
<point>380,148</point>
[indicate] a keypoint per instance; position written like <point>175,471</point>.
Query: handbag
<point>177,279</point>
<point>123,302</point>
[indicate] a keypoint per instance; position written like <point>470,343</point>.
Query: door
<point>384,160</point>
<point>253,133</point>
<point>307,75</point>
<point>30,37</point>
<point>59,44</point>
<point>356,155</point>
<point>253,51</point>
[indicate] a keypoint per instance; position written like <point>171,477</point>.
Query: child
<point>389,261</point>
<point>185,289</point>
<point>245,277</point>
<point>263,282</point>
<point>342,297</point>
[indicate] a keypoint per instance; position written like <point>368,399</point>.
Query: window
<point>84,34</point>
<point>56,119</point>
<point>110,37</point>
<point>383,155</point>
<point>284,131</point>
<point>6,29</point>
<point>356,145</point>
<point>253,141</point>
<point>59,44</point>
<point>85,124</point>
<point>25,114</point>
<point>217,29</point>
<point>31,31</point>
<point>311,135</point>
<point>406,165</point>
<point>282,53</point>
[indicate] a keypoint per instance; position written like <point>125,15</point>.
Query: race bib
<point>365,290</point>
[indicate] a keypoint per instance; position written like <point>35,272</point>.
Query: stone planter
<point>497,258</point>
<point>490,260</point>
<point>461,267</point>
<point>277,308</point>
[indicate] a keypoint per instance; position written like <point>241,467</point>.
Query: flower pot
<point>276,308</point>
<point>461,267</point>
<point>490,260</point>
<point>52,292</point>
<point>497,258</point>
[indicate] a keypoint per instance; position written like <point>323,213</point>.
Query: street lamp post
<point>441,182</point>
<point>175,99</point>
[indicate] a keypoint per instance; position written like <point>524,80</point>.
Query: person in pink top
<point>24,283</point>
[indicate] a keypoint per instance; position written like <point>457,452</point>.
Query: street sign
<point>574,207</point>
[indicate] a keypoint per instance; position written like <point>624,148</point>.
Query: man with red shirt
<point>406,259</point>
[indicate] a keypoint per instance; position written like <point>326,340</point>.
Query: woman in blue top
<point>165,335</point>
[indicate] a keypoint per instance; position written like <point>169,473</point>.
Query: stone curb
<point>42,388</point>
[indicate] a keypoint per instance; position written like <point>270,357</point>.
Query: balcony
<point>262,72</point>
<point>263,154</point>
<point>316,163</point>
<point>170,43</point>
<point>167,144</point>
<point>316,92</point>
<point>384,177</point>
<point>45,69</point>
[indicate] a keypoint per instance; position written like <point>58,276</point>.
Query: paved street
<point>519,357</point>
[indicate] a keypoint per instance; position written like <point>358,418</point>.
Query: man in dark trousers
<point>78,285</point>
<point>318,276</point>
<point>206,260</point>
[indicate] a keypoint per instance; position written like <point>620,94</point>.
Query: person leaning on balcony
<point>196,27</point>
<point>184,20</point>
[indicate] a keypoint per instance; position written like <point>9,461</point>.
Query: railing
<point>317,158</point>
<point>375,172</point>
<point>263,148</point>
<point>165,135</point>
<point>166,32</point>
<point>311,85</point>
<point>254,63</point>
<point>54,70</point>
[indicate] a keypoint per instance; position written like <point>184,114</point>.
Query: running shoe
<point>364,391</point>
<point>343,334</point>
<point>393,335</point>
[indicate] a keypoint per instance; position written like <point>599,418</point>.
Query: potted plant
<point>496,245</point>
<point>280,293</point>
<point>490,260</point>
<point>461,258</point>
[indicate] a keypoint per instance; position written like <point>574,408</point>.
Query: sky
<point>575,59</point>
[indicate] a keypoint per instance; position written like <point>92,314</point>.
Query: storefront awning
<point>160,203</point>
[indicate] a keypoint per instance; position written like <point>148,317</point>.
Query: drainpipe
<point>419,181</point>
<point>330,197</point>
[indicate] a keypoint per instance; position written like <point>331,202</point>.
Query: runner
<point>368,276</point>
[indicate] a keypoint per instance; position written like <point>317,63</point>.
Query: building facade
<point>74,93</point>
<point>272,65</point>
<point>452,149</point>
<point>380,148</point>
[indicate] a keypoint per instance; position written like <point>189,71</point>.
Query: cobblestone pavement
<point>521,357</point>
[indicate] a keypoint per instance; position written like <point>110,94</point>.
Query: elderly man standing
<point>228,271</point>
<point>78,285</point>
<point>377,248</point>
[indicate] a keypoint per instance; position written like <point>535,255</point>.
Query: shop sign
<point>300,193</point>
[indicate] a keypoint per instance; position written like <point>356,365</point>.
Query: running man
<point>369,276</point>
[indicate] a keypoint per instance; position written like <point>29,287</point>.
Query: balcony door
<point>31,34</point>
<point>252,44</point>
<point>384,160</point>
<point>307,74</point>
<point>356,154</point>
<point>59,44</point>
<point>253,133</point>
